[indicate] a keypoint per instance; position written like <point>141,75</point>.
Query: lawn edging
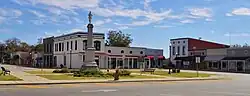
<point>107,81</point>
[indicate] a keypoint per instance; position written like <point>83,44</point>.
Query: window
<point>183,50</point>
<point>141,52</point>
<point>76,45</point>
<point>184,42</point>
<point>173,51</point>
<point>109,51</point>
<point>56,47</point>
<point>203,53</point>
<point>122,51</point>
<point>245,52</point>
<point>71,45</point>
<point>173,42</point>
<point>60,47</point>
<point>67,46</point>
<point>178,42</point>
<point>178,50</point>
<point>83,58</point>
<point>84,44</point>
<point>97,45</point>
<point>224,65</point>
<point>191,53</point>
<point>130,52</point>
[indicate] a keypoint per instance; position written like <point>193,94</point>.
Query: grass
<point>8,78</point>
<point>70,77</point>
<point>180,75</point>
<point>39,72</point>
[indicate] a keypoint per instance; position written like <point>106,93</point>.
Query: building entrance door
<point>239,66</point>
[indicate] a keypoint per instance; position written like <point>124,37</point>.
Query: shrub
<point>90,73</point>
<point>125,73</point>
<point>57,71</point>
<point>63,70</point>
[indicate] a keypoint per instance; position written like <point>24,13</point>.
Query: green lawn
<point>70,77</point>
<point>181,74</point>
<point>8,77</point>
<point>39,72</point>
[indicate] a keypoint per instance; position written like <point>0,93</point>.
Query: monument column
<point>90,52</point>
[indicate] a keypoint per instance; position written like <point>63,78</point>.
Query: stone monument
<point>90,52</point>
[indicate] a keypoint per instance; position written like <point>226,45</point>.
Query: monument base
<point>89,65</point>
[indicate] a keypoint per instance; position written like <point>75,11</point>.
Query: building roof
<point>214,58</point>
<point>79,32</point>
<point>200,40</point>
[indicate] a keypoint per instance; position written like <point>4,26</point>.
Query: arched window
<point>122,51</point>
<point>97,45</point>
<point>141,52</point>
<point>130,52</point>
<point>84,47</point>
<point>109,51</point>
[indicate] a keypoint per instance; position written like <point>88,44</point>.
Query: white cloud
<point>123,27</point>
<point>38,14</point>
<point>11,13</point>
<point>101,22</point>
<point>58,11</point>
<point>209,19</point>
<point>241,11</point>
<point>163,26</point>
<point>229,14</point>
<point>201,12</point>
<point>187,21</point>
<point>147,3</point>
<point>68,4</point>
<point>237,34</point>
<point>2,19</point>
<point>19,21</point>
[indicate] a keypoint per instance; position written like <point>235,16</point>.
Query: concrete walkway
<point>18,72</point>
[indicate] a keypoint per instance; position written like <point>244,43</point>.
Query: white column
<point>132,63</point>
<point>221,65</point>
<point>244,66</point>
<point>116,62</point>
<point>236,65</point>
<point>149,65</point>
<point>128,63</point>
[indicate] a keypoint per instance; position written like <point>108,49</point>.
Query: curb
<point>110,81</point>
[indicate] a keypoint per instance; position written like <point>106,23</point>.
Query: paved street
<point>237,87</point>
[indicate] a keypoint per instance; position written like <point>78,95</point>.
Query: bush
<point>125,73</point>
<point>63,70</point>
<point>57,71</point>
<point>90,73</point>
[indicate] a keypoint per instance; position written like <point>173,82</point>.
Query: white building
<point>70,49</point>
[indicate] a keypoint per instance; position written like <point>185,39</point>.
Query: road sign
<point>197,59</point>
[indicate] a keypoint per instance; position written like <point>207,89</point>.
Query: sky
<point>152,23</point>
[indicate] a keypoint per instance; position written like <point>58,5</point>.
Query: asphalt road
<point>239,86</point>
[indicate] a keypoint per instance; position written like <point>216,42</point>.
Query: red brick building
<point>183,50</point>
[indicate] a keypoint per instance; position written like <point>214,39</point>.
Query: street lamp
<point>70,56</point>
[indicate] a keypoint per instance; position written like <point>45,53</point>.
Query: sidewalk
<point>104,81</point>
<point>18,72</point>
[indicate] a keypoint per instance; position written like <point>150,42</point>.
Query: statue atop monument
<point>90,17</point>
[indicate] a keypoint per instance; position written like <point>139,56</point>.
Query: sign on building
<point>197,59</point>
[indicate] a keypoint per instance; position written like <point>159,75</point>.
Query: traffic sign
<point>197,59</point>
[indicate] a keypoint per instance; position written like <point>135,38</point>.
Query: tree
<point>118,39</point>
<point>12,45</point>
<point>39,48</point>
<point>24,47</point>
